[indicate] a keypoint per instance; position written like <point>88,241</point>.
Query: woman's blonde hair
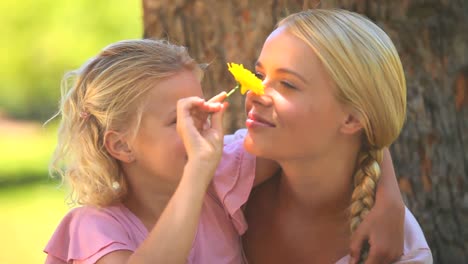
<point>107,93</point>
<point>369,77</point>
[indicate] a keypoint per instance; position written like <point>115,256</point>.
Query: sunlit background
<point>39,41</point>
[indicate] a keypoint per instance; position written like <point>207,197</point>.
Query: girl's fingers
<point>218,98</point>
<point>194,111</point>
<point>201,112</point>
<point>217,119</point>
<point>185,107</point>
<point>211,107</point>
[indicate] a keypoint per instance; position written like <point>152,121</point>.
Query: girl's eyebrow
<point>173,112</point>
<point>284,70</point>
<point>169,116</point>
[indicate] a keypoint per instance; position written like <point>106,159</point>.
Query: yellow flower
<point>246,79</point>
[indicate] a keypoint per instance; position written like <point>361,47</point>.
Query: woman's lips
<point>254,120</point>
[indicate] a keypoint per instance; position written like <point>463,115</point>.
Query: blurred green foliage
<point>25,151</point>
<point>39,41</point>
<point>30,214</point>
<point>42,39</point>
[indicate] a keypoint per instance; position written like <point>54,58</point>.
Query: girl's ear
<point>118,146</point>
<point>351,124</point>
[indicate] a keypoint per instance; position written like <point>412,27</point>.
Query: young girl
<point>139,155</point>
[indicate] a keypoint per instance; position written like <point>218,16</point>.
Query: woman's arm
<point>383,227</point>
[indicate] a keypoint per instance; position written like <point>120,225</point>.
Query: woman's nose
<point>263,100</point>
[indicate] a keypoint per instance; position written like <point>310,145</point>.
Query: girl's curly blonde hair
<point>107,93</point>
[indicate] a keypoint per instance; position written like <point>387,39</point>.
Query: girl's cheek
<point>180,146</point>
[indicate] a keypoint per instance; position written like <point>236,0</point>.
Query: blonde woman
<point>335,98</point>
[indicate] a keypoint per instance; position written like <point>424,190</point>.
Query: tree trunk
<point>430,156</point>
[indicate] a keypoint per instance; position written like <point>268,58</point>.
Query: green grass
<point>31,204</point>
<point>25,153</point>
<point>30,214</point>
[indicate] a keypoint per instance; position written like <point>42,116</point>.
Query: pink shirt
<point>87,233</point>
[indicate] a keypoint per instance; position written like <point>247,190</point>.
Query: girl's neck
<point>147,206</point>
<point>147,195</point>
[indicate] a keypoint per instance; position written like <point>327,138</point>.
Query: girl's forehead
<point>165,93</point>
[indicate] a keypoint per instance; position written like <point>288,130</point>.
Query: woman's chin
<point>257,147</point>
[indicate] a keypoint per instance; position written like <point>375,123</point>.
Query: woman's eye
<point>288,85</point>
<point>259,75</point>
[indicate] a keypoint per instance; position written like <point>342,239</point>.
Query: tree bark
<point>430,156</point>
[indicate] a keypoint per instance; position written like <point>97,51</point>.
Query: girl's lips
<point>254,120</point>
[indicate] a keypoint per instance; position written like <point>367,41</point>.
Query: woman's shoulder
<point>416,249</point>
<point>89,232</point>
<point>233,179</point>
<point>238,134</point>
<point>236,164</point>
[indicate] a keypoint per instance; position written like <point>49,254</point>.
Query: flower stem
<point>232,91</point>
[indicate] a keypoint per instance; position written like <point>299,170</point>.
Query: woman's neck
<point>319,184</point>
<point>307,206</point>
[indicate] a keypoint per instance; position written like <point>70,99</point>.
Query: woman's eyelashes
<point>288,85</point>
<point>259,75</point>
<point>284,83</point>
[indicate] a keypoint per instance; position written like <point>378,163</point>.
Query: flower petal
<point>246,79</point>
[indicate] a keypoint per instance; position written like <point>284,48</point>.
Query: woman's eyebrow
<point>284,70</point>
<point>258,64</point>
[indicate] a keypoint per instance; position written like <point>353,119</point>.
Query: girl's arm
<point>383,227</point>
<point>171,239</point>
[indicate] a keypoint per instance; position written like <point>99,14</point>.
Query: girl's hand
<point>383,227</point>
<point>201,133</point>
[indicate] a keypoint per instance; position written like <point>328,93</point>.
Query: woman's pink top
<point>87,233</point>
<point>415,250</point>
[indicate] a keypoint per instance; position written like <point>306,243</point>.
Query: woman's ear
<point>118,146</point>
<point>351,124</point>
